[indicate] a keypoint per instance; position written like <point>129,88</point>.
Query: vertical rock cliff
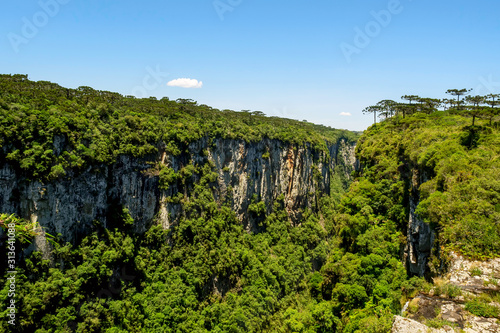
<point>246,171</point>
<point>420,236</point>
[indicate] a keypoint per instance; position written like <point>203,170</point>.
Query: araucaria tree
<point>387,107</point>
<point>458,93</point>
<point>470,106</point>
<point>373,109</point>
<point>492,100</point>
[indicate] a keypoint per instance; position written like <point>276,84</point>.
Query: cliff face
<point>267,169</point>
<point>420,236</point>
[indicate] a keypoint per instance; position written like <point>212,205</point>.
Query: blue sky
<point>285,58</point>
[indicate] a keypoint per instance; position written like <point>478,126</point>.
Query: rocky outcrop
<point>267,169</point>
<point>420,236</point>
<point>474,276</point>
<point>405,325</point>
<point>469,281</point>
<point>449,316</point>
<point>420,240</point>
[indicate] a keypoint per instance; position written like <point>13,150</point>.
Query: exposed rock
<point>420,242</point>
<point>450,313</point>
<point>420,236</point>
<point>453,313</point>
<point>406,325</point>
<point>447,311</point>
<point>482,325</point>
<point>68,206</point>
<point>474,276</point>
<point>268,169</point>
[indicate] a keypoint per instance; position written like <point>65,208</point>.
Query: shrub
<point>452,291</point>
<point>167,177</point>
<point>57,171</point>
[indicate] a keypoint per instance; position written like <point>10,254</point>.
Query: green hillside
<point>461,197</point>
<point>100,125</point>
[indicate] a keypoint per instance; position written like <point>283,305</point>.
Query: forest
<point>469,106</point>
<point>341,269</point>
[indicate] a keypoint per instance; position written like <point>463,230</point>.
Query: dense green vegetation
<point>209,274</point>
<point>339,270</point>
<point>461,197</point>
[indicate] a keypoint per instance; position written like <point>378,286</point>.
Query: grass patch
<point>439,323</point>
<point>475,271</point>
<point>413,305</point>
<point>443,287</point>
<point>482,310</point>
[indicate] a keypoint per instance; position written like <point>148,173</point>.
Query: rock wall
<point>420,236</point>
<point>268,169</point>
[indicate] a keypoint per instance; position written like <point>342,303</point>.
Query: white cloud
<point>346,114</point>
<point>185,83</point>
